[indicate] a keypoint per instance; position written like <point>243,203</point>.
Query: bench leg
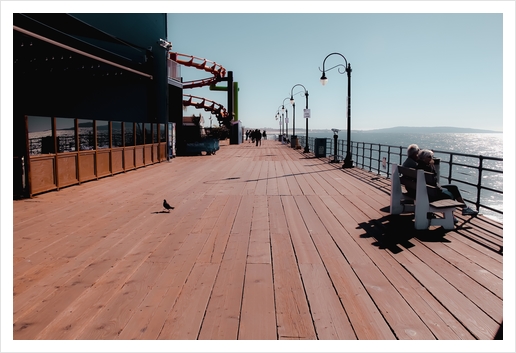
<point>421,221</point>
<point>446,222</point>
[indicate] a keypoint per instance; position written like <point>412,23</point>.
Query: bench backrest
<point>409,179</point>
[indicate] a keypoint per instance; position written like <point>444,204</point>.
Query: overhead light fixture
<point>163,43</point>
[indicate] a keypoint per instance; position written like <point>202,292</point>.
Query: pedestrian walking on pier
<point>258,137</point>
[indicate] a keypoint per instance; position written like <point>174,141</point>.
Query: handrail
<point>206,104</point>
<point>467,170</point>
<point>212,67</point>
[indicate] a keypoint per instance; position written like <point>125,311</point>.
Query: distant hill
<point>430,130</point>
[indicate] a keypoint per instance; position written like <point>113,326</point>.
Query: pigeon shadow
<point>160,212</point>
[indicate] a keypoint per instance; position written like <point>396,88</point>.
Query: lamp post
<point>348,162</point>
<point>281,109</point>
<point>293,102</point>
<point>285,110</point>
<point>335,141</point>
<point>278,116</point>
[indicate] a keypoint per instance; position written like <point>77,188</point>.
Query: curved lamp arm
<point>283,104</point>
<point>292,101</point>
<point>324,79</point>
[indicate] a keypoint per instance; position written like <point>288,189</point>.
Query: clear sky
<point>408,69</point>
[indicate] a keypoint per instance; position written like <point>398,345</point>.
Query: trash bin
<point>293,141</point>
<point>320,147</point>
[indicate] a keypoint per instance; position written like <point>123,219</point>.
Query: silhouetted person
<point>167,206</point>
<point>258,137</point>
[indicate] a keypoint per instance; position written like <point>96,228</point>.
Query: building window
<point>148,133</point>
<point>162,133</point>
<point>154,133</point>
<point>86,137</point>
<point>116,134</point>
<point>139,133</point>
<point>65,131</point>
<point>129,134</point>
<point>102,134</point>
<point>41,140</point>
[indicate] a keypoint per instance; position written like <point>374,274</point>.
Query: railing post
<point>450,167</point>
<point>370,155</point>
<point>479,180</point>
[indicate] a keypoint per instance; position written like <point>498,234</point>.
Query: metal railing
<point>479,178</point>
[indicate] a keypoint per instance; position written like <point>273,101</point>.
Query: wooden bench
<point>420,205</point>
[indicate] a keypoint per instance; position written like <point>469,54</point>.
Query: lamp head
<point>324,79</point>
<point>283,108</point>
<point>292,101</point>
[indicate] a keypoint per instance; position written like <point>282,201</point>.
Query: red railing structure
<point>218,73</point>
<point>212,67</point>
<point>206,104</point>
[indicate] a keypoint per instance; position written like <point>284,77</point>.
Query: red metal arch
<point>206,104</point>
<point>212,67</point>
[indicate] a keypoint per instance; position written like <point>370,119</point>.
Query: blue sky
<point>408,69</point>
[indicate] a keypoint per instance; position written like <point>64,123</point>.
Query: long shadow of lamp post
<point>293,102</point>
<point>348,162</point>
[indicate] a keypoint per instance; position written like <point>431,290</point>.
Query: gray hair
<point>425,153</point>
<point>412,150</point>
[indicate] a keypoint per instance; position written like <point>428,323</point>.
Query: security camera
<point>163,43</point>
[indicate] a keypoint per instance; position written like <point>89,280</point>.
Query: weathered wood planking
<point>265,242</point>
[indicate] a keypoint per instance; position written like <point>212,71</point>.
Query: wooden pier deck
<point>264,243</point>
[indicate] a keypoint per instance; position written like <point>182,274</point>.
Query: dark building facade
<point>93,97</point>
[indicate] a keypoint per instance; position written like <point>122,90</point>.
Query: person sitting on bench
<point>412,158</point>
<point>426,162</point>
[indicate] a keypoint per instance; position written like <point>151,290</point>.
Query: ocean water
<point>443,145</point>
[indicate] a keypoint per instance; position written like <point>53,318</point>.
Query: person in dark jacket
<point>426,162</point>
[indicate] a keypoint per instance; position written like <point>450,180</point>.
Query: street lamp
<point>285,110</point>
<point>348,162</point>
<point>293,102</point>
<point>278,116</point>
<point>282,119</point>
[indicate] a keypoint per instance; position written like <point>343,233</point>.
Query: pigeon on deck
<point>167,206</point>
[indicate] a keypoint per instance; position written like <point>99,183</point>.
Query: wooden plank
<point>213,249</point>
<point>283,188</point>
<point>116,293</point>
<point>425,305</point>
<point>261,185</point>
<point>146,320</point>
<point>99,266</point>
<point>185,319</point>
<point>304,185</point>
<point>292,311</point>
<point>272,180</point>
<point>474,319</point>
<point>299,266</point>
<point>461,258</point>
<point>476,293</point>
<point>258,319</point>
<point>330,319</point>
<point>395,312</point>
<point>222,316</point>
<point>259,241</point>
